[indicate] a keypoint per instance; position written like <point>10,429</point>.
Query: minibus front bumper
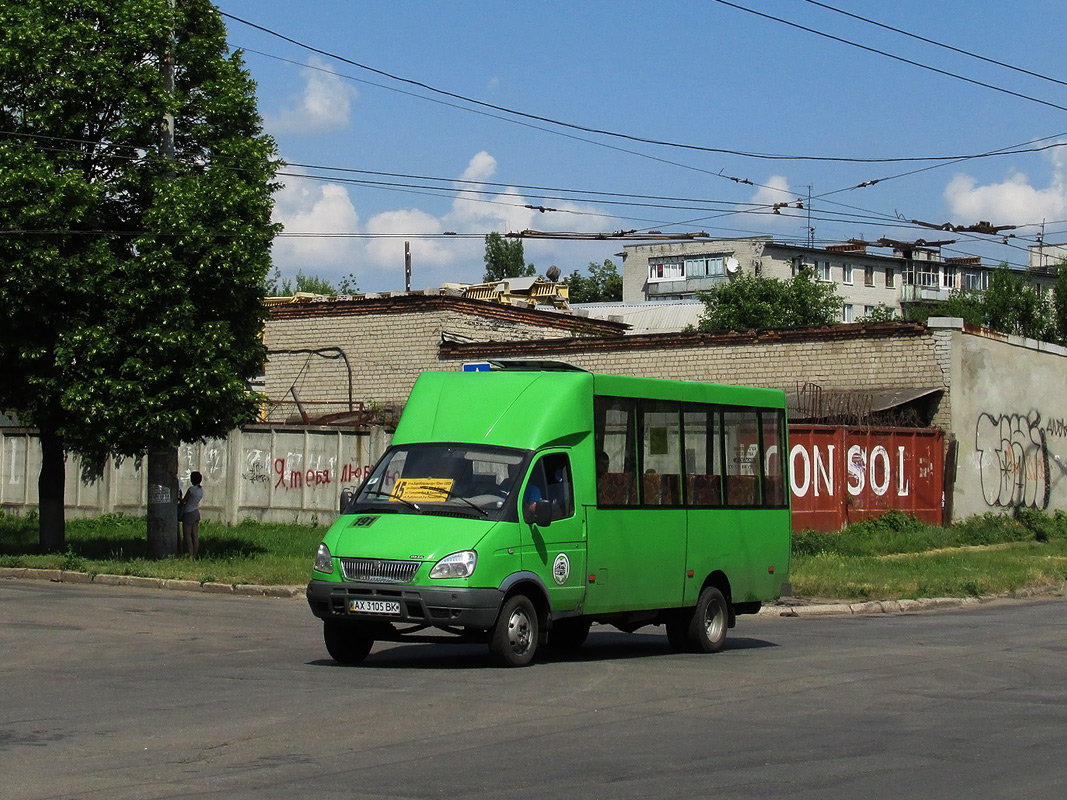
<point>436,606</point>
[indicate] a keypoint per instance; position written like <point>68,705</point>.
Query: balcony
<point>910,293</point>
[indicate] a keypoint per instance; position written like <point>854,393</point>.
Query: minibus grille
<point>378,570</point>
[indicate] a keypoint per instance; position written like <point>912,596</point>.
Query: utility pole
<point>162,471</point>
<point>811,230</point>
<point>407,267</point>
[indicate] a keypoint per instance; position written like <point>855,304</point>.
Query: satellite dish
<point>732,265</point>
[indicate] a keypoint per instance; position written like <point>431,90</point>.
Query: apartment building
<point>868,274</point>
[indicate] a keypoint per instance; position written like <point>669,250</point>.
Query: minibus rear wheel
<point>346,643</point>
<point>514,637</point>
<point>711,618</point>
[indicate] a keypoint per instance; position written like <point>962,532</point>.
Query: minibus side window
<point>741,434</point>
<point>772,428</point>
<point>703,455</point>
<point>615,439</point>
<point>660,453</point>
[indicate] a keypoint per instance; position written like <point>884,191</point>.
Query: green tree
<point>604,284</point>
<point>505,259</point>
<point>1013,304</point>
<point>133,263</point>
<point>880,313</point>
<point>1059,302</point>
<point>312,284</point>
<point>748,302</point>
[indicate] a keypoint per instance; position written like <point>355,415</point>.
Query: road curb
<point>868,607</point>
<point>207,587</point>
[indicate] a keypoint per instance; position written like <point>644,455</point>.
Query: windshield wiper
<point>448,494</point>
<point>408,503</point>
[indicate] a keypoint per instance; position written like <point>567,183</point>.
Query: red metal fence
<point>841,475</point>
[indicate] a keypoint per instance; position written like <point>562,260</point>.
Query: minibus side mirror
<point>346,497</point>
<point>539,514</point>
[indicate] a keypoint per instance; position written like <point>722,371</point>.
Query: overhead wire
<point>936,43</point>
<point>602,131</point>
<point>892,56</point>
<point>942,160</point>
<point>751,208</point>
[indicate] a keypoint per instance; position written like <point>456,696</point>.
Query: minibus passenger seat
<point>614,489</point>
<point>704,490</point>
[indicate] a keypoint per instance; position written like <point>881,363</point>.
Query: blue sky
<point>384,145</point>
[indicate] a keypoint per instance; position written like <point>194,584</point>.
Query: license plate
<point>374,607</point>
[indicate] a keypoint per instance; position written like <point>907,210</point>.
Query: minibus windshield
<point>444,478</point>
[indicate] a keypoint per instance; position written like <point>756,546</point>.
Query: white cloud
<point>377,261</point>
<point>324,105</point>
<point>307,207</point>
<point>774,190</point>
<point>1013,201</point>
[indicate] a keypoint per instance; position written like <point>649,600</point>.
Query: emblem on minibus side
<point>561,569</point>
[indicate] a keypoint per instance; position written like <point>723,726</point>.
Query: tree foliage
<point>604,284</point>
<point>880,313</point>
<point>505,259</point>
<point>312,284</point>
<point>1012,304</point>
<point>748,302</point>
<point>1059,303</point>
<point>131,273</point>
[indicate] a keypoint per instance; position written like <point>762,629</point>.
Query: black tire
<point>346,643</point>
<point>514,638</point>
<point>710,620</point>
<point>569,634</point>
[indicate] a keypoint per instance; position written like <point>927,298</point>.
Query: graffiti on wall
<point>294,471</point>
<point>1014,464</point>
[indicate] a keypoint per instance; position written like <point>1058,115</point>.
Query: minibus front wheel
<point>345,642</point>
<point>514,637</point>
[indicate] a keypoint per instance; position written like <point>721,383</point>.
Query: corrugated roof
<point>646,317</point>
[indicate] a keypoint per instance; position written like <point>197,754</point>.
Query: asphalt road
<point>116,692</point>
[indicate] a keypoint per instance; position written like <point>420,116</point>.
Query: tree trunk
<point>51,490</point>
<point>163,502</point>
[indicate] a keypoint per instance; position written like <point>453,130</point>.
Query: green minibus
<point>519,505</point>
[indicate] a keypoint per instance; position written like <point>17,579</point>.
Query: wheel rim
<point>519,632</point>
<point>714,621</point>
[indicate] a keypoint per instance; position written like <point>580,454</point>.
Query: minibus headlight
<point>457,565</point>
<point>323,560</point>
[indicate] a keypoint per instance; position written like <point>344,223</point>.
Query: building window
<point>665,271</point>
<point>922,273</point>
<point>705,267</point>
<point>975,281</point>
<point>846,273</point>
<point>822,271</point>
<point>868,275</point>
<point>868,311</point>
<point>889,277</point>
<point>846,313</point>
<point>948,278</point>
